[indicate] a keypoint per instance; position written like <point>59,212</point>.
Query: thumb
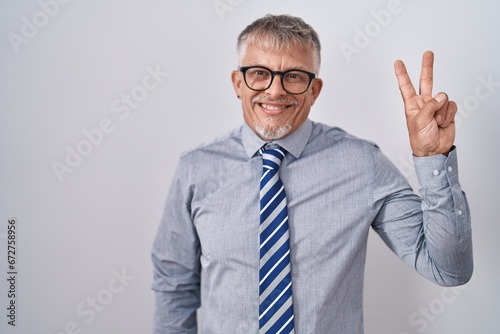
<point>435,107</point>
<point>441,98</point>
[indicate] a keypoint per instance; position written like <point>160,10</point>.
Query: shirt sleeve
<point>175,256</point>
<point>430,232</point>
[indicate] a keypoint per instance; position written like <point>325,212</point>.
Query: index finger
<point>426,75</point>
<point>404,81</point>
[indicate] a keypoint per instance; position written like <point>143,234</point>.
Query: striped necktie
<point>275,287</point>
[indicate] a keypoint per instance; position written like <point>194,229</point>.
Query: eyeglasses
<point>259,78</point>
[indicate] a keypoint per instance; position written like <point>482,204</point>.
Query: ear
<point>237,79</point>
<point>316,86</point>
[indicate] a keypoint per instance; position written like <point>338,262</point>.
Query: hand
<point>430,120</point>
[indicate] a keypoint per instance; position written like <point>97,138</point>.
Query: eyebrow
<point>288,69</point>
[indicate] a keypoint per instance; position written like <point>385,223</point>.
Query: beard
<point>271,129</point>
<point>273,132</point>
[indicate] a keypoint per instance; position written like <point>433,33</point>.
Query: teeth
<point>270,107</point>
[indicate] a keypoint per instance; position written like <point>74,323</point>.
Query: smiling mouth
<point>272,108</point>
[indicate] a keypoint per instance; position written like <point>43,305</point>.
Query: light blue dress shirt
<point>206,252</point>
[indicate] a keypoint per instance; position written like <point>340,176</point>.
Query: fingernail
<point>440,97</point>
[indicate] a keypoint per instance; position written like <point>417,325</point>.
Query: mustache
<point>265,99</point>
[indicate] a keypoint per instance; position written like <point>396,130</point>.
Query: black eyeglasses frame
<point>244,69</point>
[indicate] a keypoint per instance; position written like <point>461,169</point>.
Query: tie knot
<point>271,158</point>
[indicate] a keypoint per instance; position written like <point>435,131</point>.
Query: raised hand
<point>430,120</point>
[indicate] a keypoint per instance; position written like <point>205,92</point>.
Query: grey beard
<point>273,133</point>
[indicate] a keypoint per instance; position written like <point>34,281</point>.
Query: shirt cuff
<point>438,170</point>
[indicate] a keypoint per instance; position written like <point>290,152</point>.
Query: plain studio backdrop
<point>98,99</point>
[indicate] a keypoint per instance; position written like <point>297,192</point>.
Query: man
<point>316,191</point>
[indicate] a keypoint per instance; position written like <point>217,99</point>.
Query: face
<point>274,113</point>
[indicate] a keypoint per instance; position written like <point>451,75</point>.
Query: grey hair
<point>278,33</point>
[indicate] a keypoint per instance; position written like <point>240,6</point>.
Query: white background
<point>78,231</point>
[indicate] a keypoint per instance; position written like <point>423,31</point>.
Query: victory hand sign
<point>430,120</point>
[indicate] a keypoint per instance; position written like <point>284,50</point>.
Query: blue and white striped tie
<point>275,287</point>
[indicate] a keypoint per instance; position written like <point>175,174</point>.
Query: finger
<point>404,82</point>
<point>435,108</point>
<point>451,111</point>
<point>427,74</point>
<point>440,114</point>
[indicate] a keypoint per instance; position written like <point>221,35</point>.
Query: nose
<point>276,89</point>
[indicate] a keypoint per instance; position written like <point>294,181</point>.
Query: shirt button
<point>450,169</point>
<point>460,212</point>
<point>435,172</point>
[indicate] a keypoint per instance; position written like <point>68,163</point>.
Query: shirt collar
<point>293,143</point>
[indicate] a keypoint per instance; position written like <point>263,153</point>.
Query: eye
<point>259,72</point>
<point>296,76</point>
